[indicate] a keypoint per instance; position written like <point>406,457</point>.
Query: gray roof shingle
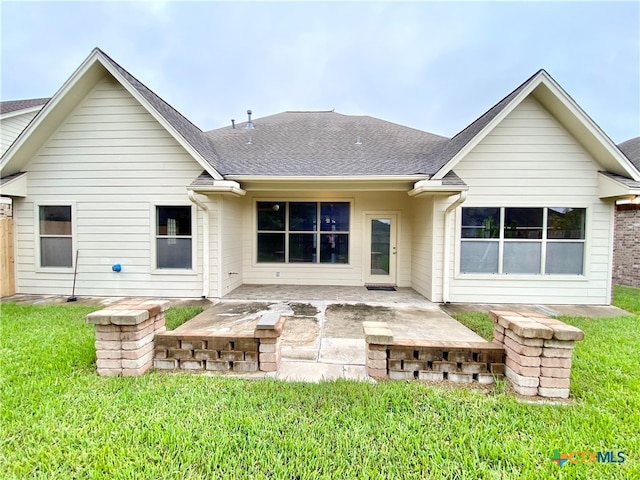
<point>623,180</point>
<point>15,105</point>
<point>325,144</point>
<point>631,148</point>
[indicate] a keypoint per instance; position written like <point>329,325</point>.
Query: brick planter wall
<point>460,362</point>
<point>626,267</point>
<point>539,351</point>
<point>124,336</point>
<point>220,352</point>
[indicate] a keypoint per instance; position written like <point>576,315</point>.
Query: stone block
<point>107,328</point>
<point>245,366</point>
<point>496,314</point>
<point>246,344</point>
<point>192,344</point>
<point>459,377</point>
<point>566,344</point>
<point>557,352</point>
<point>205,354</point>
<point>377,354</point>
<point>109,363</point>
<point>529,328</point>
<point>139,326</point>
<point>529,342</point>
<point>108,336</point>
<point>165,363</point>
<point>268,367</point>
<point>191,364</point>
<point>137,334</point>
<point>218,344</point>
<point>268,321</point>
<point>401,353</point>
<point>108,345</point>
<point>520,370</point>
<point>111,354</point>
<point>491,356</point>
<point>498,329</point>
<point>166,341</point>
<point>553,392</point>
<point>375,346</point>
<point>377,372</point>
<point>444,366</point>
<point>497,368</point>
<point>550,382</point>
<point>135,354</point>
<point>138,362</point>
<point>136,372</point>
<point>251,356</point>
<point>521,380</point>
<point>555,362</point>
<point>231,356</point>
<point>498,338</point>
<point>270,357</point>
<point>400,375</point>
<point>270,333</point>
<point>521,349</point>
<point>160,353</point>
<point>380,364</point>
<point>430,354</point>
<point>217,365</point>
<point>159,322</point>
<point>486,379</point>
<point>135,344</point>
<point>474,367</point>
<point>523,360</point>
<point>395,364</point>
<point>555,372</point>
<point>413,365</point>
<point>180,354</point>
<point>267,347</point>
<point>378,335</point>
<point>270,341</point>
<point>109,372</point>
<point>431,376</point>
<point>567,332</point>
<point>101,317</point>
<point>455,355</point>
<point>129,317</point>
<point>525,391</point>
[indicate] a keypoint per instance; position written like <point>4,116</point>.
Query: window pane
<point>271,216</point>
<point>55,252</point>
<point>302,247</point>
<point>173,221</point>
<point>480,223</point>
<point>479,257</point>
<point>174,252</point>
<point>334,248</point>
<point>522,257</point>
<point>564,257</point>
<point>302,216</point>
<point>271,247</point>
<point>55,220</point>
<point>523,223</point>
<point>567,223</point>
<point>334,217</point>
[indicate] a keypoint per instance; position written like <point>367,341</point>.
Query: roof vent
<point>233,123</point>
<point>249,122</point>
<point>358,142</point>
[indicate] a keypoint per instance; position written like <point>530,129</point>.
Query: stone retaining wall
<point>539,351</point>
<point>461,362</point>
<point>124,336</point>
<point>219,352</point>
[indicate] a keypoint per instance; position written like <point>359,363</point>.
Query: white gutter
<point>193,196</point>
<point>447,245</point>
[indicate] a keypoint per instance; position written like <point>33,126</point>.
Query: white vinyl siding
<point>422,264</point>
<point>115,161</point>
<point>530,160</point>
<point>13,126</point>
<point>231,276</point>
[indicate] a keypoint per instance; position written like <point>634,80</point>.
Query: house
<point>517,207</point>
<point>627,231</point>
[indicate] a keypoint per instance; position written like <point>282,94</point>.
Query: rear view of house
<point>518,207</point>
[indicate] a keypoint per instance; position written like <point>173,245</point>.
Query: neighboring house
<point>626,269</point>
<point>518,207</point>
<point>14,117</point>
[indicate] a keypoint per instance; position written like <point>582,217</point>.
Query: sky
<point>434,66</point>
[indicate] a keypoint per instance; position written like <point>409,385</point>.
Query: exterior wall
<point>351,274</point>
<point>627,246</point>
<point>422,265</point>
<point>113,163</point>
<point>232,241</point>
<point>530,160</point>
<point>11,127</point>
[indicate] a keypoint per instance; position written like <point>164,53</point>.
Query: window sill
<point>54,269</point>
<point>520,277</point>
<point>301,265</point>
<point>174,271</point>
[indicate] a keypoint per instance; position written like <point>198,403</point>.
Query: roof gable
<point>77,86</point>
<point>546,91</point>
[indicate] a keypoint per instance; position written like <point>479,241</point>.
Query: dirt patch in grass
<point>303,309</point>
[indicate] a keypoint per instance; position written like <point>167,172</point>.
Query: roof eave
<point>610,188</point>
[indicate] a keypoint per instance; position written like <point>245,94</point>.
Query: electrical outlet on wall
<point>277,274</point>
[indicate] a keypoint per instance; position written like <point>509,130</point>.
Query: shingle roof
<point>8,178</point>
<point>624,180</point>
<point>631,148</point>
<point>15,105</point>
<point>325,144</point>
<point>188,131</point>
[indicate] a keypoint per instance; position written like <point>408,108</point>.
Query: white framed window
<point>55,232</point>
<point>174,233</point>
<point>303,232</point>
<point>516,240</point>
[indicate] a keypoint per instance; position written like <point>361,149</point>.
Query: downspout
<point>193,196</point>
<point>447,245</point>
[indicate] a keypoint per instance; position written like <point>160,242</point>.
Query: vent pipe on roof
<point>233,123</point>
<point>358,142</point>
<point>249,123</point>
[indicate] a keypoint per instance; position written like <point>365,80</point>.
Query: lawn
<point>58,419</point>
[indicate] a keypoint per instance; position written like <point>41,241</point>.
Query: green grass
<point>58,419</point>
<point>174,317</point>
<point>627,298</point>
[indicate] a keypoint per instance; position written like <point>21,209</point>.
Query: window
<point>303,232</point>
<point>548,241</point>
<point>173,237</point>
<point>56,241</point>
